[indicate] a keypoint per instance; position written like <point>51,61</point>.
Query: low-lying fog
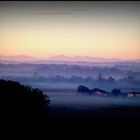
<point>79,101</point>
<point>60,82</point>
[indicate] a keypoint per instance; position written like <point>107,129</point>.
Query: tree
<point>116,91</point>
<point>111,79</point>
<point>17,98</point>
<point>83,89</point>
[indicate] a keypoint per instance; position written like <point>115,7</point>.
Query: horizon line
<point>68,57</point>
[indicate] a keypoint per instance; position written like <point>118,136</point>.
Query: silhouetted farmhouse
<point>133,94</point>
<point>99,92</point>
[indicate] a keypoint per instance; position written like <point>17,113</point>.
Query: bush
<point>17,98</point>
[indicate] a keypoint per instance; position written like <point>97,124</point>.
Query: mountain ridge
<point>63,58</point>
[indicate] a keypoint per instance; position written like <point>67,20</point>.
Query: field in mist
<point>74,100</point>
<point>60,82</point>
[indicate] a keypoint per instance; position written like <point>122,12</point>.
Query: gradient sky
<point>45,29</point>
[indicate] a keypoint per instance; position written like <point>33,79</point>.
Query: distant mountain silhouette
<point>18,58</point>
<point>54,58</point>
<point>60,58</point>
<point>80,58</point>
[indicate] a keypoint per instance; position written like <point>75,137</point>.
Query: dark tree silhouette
<point>116,91</point>
<point>17,98</point>
<point>83,89</point>
<point>111,79</point>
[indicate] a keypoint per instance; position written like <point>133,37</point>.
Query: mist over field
<point>60,82</point>
<point>125,76</point>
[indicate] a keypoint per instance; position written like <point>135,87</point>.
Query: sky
<point>95,29</point>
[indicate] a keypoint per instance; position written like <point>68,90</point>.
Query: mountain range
<point>80,58</point>
<point>58,58</point>
<point>17,58</point>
